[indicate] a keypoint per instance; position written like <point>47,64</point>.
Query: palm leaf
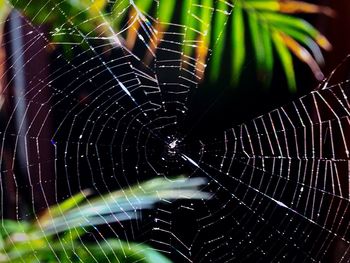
<point>291,7</point>
<point>120,205</point>
<point>190,12</point>
<point>257,41</point>
<point>72,218</point>
<point>286,59</point>
<point>268,62</point>
<point>282,21</point>
<point>238,43</point>
<point>262,17</point>
<point>219,39</point>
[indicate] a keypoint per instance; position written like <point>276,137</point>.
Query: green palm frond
<point>58,233</point>
<point>118,206</point>
<point>273,30</point>
<point>276,34</point>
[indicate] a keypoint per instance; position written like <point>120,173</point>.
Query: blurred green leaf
<point>191,29</point>
<point>58,236</point>
<point>269,55</point>
<point>304,55</point>
<point>4,10</point>
<point>204,36</point>
<point>219,39</point>
<point>121,205</point>
<point>66,205</point>
<point>257,41</point>
<point>166,11</point>
<point>291,7</point>
<point>282,21</point>
<point>8,227</point>
<point>306,41</point>
<point>286,60</point>
<point>204,29</point>
<point>238,43</point>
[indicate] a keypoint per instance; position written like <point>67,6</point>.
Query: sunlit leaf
<point>72,235</point>
<point>97,7</point>
<point>25,242</point>
<point>303,55</point>
<point>8,227</point>
<point>4,11</point>
<point>123,19</point>
<point>256,36</point>
<point>284,21</point>
<point>127,252</point>
<point>66,205</point>
<point>191,11</point>
<point>204,37</point>
<point>143,5</point>
<point>123,204</point>
<point>119,11</point>
<point>219,39</point>
<point>166,11</point>
<point>308,42</point>
<point>291,7</point>
<point>268,51</point>
<point>286,59</point>
<point>238,43</point>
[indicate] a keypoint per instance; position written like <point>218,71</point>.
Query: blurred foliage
<point>269,26</point>
<point>274,32</point>
<point>4,10</point>
<point>58,234</point>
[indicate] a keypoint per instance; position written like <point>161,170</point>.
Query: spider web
<point>107,118</point>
